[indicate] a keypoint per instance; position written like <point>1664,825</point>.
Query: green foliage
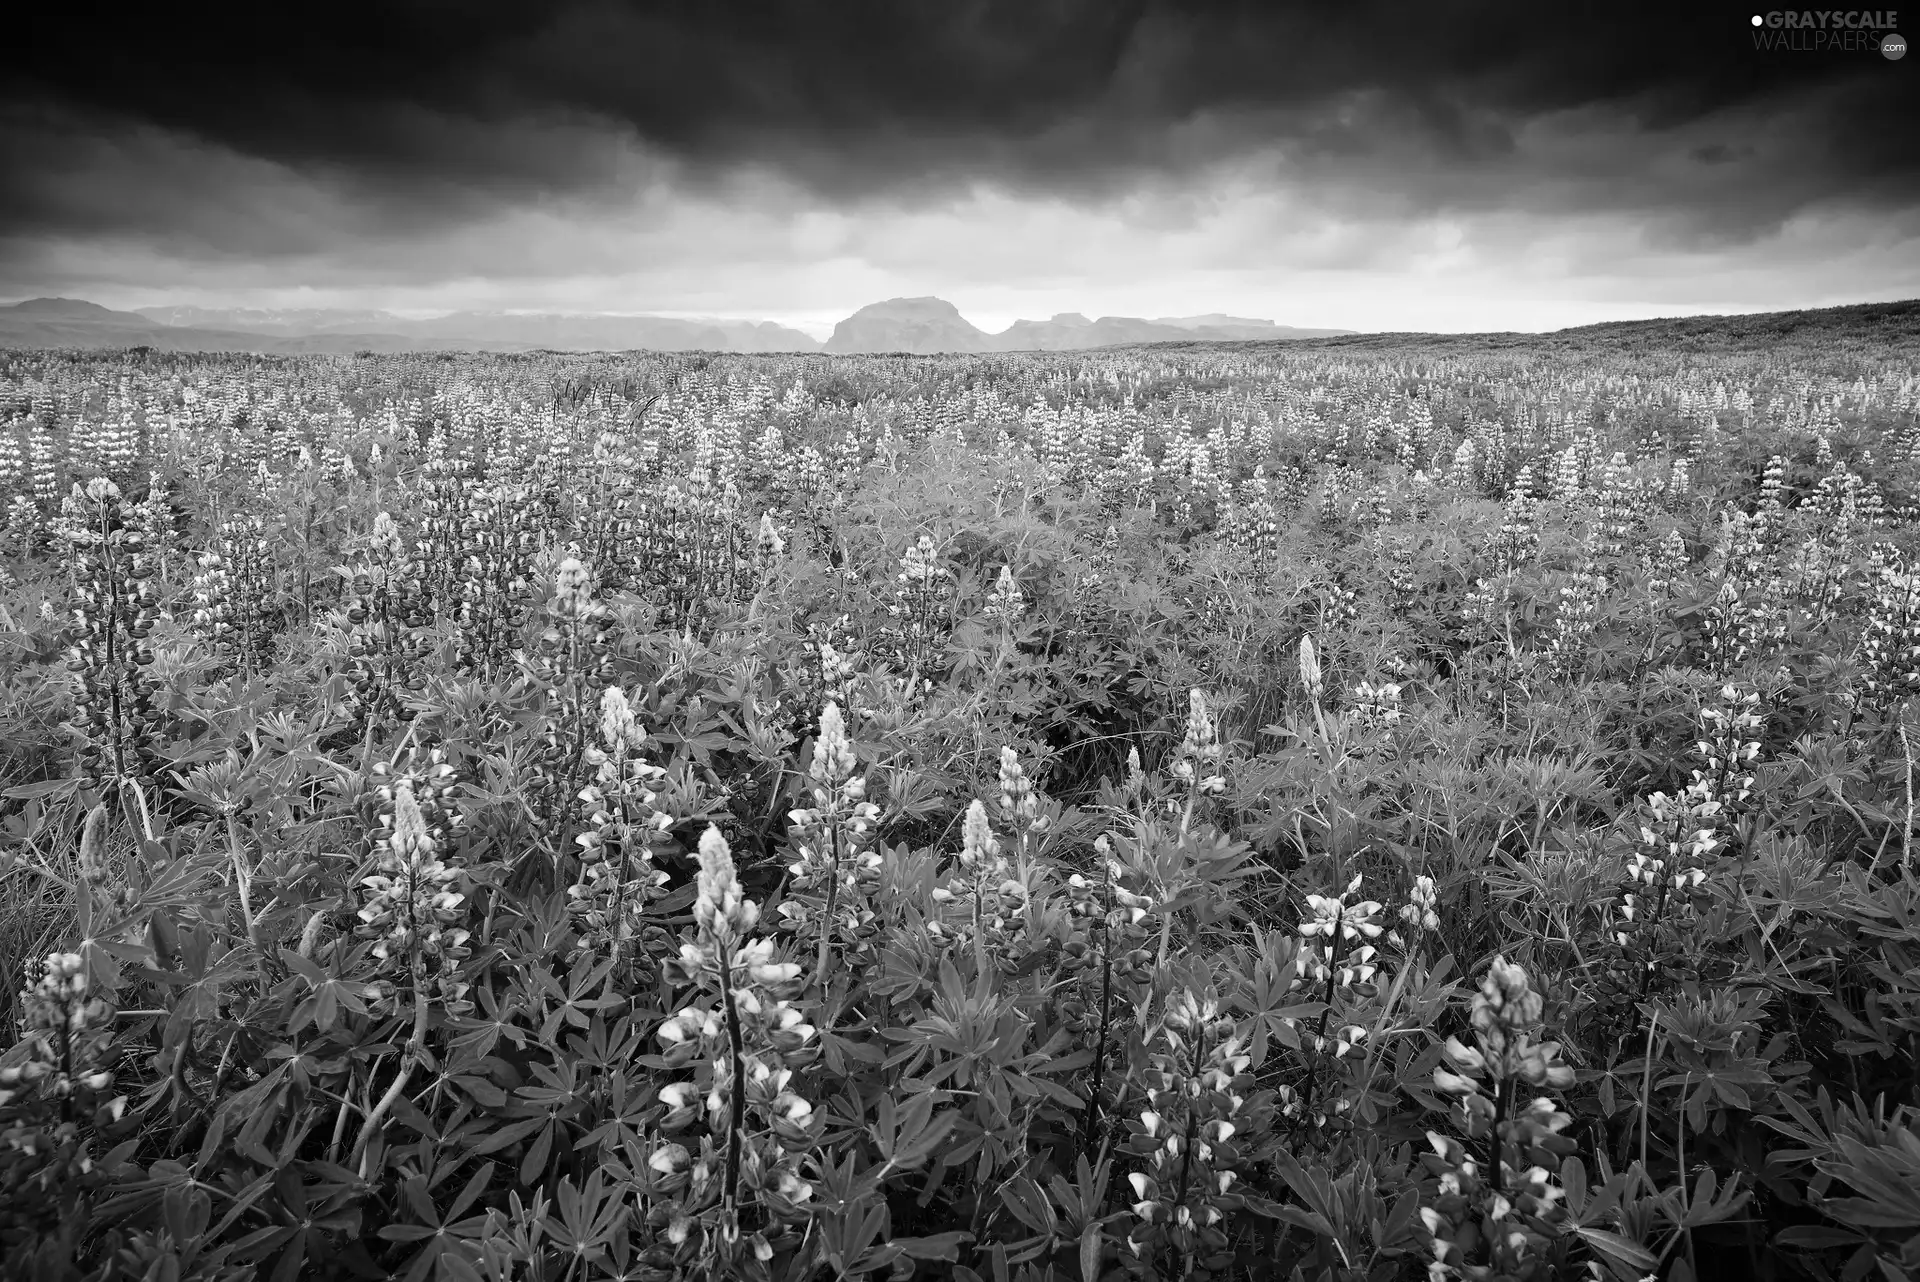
<point>1312,813</point>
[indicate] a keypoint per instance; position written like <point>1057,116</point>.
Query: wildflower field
<point>1362,810</point>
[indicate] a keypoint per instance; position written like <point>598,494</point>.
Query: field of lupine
<point>1354,812</point>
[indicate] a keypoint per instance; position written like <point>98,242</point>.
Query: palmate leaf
<point>104,946</point>
<point>905,1135</point>
<point>450,1245</point>
<point>329,995</point>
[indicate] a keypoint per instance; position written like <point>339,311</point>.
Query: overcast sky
<point>1445,166</point>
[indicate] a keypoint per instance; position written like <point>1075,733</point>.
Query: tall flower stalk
<point>110,649</point>
<point>617,871</point>
<point>411,908</point>
<point>1496,1218</point>
<point>1198,1099</point>
<point>834,873</point>
<point>1337,954</point>
<point>725,1212</point>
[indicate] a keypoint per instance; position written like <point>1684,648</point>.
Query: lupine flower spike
<point>835,873</point>
<point>725,1210</point>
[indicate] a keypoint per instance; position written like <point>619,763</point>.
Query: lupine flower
<point>410,907</point>
<point>1333,913</point>
<point>410,903</point>
<point>922,592</point>
<point>834,872</point>
<point>1197,761</point>
<point>987,901</point>
<point>1020,801</point>
<point>1336,959</point>
<point>109,641</point>
<point>768,541</point>
<point>572,586</point>
<point>1376,705</point>
<point>67,1029</point>
<point>1506,1011</point>
<point>1422,902</point>
<point>1128,907</point>
<point>1197,1102</point>
<point>621,732</point>
<point>617,871</point>
<point>1006,603</point>
<point>833,759</point>
<point>1509,1213</point>
<point>742,1196</point>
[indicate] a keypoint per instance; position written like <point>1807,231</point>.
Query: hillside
<point>919,326</point>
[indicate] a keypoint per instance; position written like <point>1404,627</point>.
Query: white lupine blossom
<point>617,871</point>
<point>1686,835</point>
<point>985,901</point>
<point>1006,603</point>
<point>67,1028</point>
<point>1333,913</point>
<point>1336,957</point>
<point>1020,802</point>
<point>1197,1102</point>
<point>1376,705</point>
<point>1506,1010</point>
<point>1514,1216</point>
<point>835,871</point>
<point>411,906</point>
<point>1423,901</point>
<point>767,540</point>
<point>1310,669</point>
<point>742,1193</point>
<point>1197,762</point>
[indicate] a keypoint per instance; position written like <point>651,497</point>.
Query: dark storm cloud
<point>444,107</point>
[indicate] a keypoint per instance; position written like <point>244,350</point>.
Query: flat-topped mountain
<point>918,325</point>
<point>927,325</point>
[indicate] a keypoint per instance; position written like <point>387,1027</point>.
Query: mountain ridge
<point>926,325</point>
<point>77,323</point>
<point>921,325</point>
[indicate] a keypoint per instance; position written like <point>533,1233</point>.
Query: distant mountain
<point>1230,328</point>
<point>66,322</point>
<point>1066,332</point>
<point>505,330</point>
<point>612,333</point>
<point>1071,331</point>
<point>71,309</point>
<point>917,325</point>
<point>287,321</point>
<point>925,325</point>
<point>1214,320</point>
<point>70,322</point>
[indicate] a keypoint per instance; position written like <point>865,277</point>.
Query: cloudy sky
<point>1444,166</point>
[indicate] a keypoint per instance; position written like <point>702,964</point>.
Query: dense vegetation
<point>1334,811</point>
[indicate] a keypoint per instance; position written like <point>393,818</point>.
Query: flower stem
<point>416,1045</point>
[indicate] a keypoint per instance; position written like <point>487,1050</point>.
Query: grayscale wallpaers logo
<point>1831,30</point>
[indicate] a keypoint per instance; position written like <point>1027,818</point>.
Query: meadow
<point>1368,809</point>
